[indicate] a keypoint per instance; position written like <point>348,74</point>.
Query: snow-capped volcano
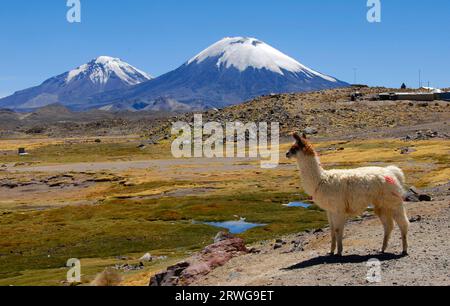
<point>103,68</point>
<point>243,53</point>
<point>72,88</point>
<point>229,72</point>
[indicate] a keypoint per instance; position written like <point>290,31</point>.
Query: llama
<point>347,193</point>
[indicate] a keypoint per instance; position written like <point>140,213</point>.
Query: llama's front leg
<point>333,235</point>
<point>388,224</point>
<point>339,226</point>
<point>333,242</point>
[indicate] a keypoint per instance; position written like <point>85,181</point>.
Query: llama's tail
<point>400,176</point>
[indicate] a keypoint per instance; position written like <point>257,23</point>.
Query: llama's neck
<point>311,173</point>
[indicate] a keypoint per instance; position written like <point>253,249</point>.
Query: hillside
<point>329,113</point>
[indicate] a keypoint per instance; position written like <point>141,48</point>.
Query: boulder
<point>170,277</point>
<point>413,195</point>
<point>311,131</point>
<point>425,198</point>
<point>213,256</point>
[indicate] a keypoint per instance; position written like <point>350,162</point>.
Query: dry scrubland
<point>107,200</point>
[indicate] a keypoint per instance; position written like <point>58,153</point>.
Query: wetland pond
<point>298,204</point>
<point>235,227</point>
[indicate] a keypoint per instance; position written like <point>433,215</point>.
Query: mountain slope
<point>229,72</point>
<point>73,87</point>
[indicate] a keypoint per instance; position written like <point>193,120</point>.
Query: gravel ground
<point>302,260</point>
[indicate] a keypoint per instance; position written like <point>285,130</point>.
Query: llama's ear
<point>297,137</point>
<point>304,136</point>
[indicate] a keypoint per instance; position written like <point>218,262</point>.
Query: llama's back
<point>371,182</point>
<point>351,191</point>
<point>368,173</point>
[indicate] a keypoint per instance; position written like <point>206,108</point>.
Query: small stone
<point>277,246</point>
<point>311,131</point>
<point>254,251</point>
<point>425,198</point>
<point>405,150</point>
<point>415,219</point>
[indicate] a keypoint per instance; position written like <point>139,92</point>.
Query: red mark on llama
<point>390,180</point>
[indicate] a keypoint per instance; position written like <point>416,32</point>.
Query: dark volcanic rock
<point>170,277</point>
<point>425,198</point>
<point>413,195</point>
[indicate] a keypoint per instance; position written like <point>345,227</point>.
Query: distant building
<point>443,96</point>
<point>409,96</point>
<point>22,152</point>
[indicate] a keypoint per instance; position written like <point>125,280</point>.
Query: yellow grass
<point>435,178</point>
<point>36,143</point>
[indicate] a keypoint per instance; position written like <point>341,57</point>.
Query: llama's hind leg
<point>401,218</point>
<point>388,224</point>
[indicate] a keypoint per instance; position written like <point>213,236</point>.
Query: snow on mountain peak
<point>102,68</point>
<point>244,52</point>
<point>106,59</point>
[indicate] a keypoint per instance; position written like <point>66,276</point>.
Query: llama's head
<point>301,148</point>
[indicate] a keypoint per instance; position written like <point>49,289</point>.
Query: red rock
<point>213,256</point>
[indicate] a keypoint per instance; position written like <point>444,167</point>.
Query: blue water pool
<point>235,227</point>
<point>298,204</point>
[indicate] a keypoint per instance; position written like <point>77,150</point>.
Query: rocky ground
<point>328,113</point>
<point>301,259</point>
<point>331,114</point>
<point>58,121</point>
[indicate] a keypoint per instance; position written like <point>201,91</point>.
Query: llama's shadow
<point>355,259</point>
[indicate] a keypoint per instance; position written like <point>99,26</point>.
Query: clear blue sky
<point>332,36</point>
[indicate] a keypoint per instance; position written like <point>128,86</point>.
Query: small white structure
<point>22,152</point>
<point>146,258</point>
